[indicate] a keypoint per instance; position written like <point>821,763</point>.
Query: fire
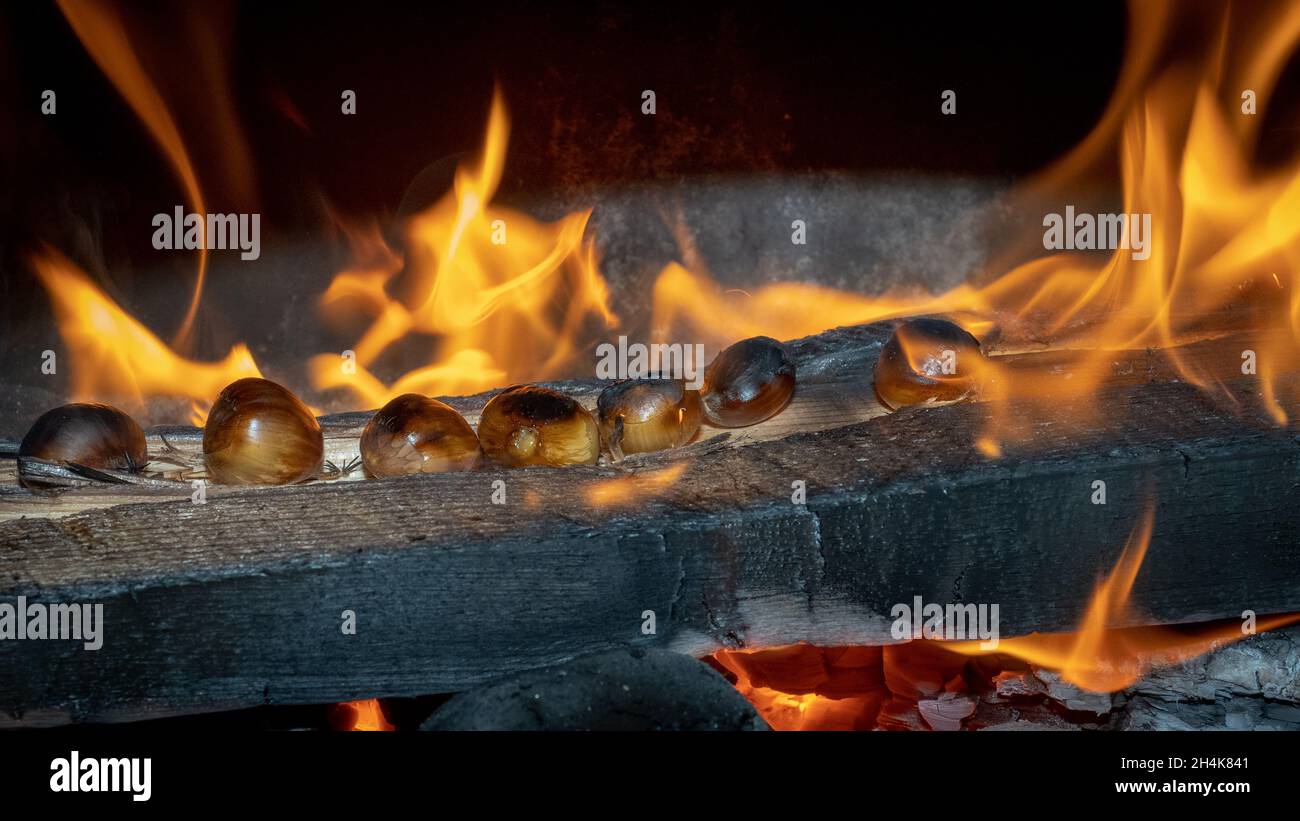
<point>363,716</point>
<point>102,28</point>
<point>800,687</point>
<point>506,297</point>
<point>1220,249</point>
<point>114,356</point>
<point>1205,243</point>
<point>634,488</point>
<point>1104,656</point>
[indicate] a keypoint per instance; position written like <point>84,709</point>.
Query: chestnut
<point>640,415</point>
<point>928,360</point>
<point>88,434</point>
<point>258,433</point>
<point>530,425</point>
<point>416,434</point>
<point>748,382</point>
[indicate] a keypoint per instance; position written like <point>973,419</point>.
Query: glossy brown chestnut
<point>416,434</point>
<point>528,425</point>
<point>258,433</point>
<point>641,415</point>
<point>928,360</point>
<point>748,382</point>
<point>85,433</point>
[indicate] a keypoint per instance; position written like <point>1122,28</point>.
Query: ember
<point>926,684</point>
<point>892,495</point>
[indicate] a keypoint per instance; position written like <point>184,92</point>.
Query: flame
<point>1221,254</point>
<point>369,716</point>
<point>103,30</point>
<point>497,297</point>
<point>799,687</point>
<point>113,355</point>
<point>505,296</point>
<point>1102,655</point>
<point>634,489</point>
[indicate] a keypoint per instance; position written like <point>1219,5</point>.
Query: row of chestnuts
<point>527,425</point>
<point>258,432</point>
<point>748,382</point>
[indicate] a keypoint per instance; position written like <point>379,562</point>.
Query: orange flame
<point>1104,656</point>
<point>102,31</point>
<point>114,356</point>
<point>369,716</point>
<point>633,489</point>
<point>1221,254</point>
<point>499,297</point>
<point>507,297</point>
<point>798,687</point>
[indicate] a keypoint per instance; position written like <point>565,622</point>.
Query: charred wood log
<point>244,600</point>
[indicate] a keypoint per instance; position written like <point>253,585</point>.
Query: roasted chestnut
<point>529,425</point>
<point>258,433</point>
<point>748,382</point>
<point>928,360</point>
<point>416,434</point>
<point>640,415</point>
<point>85,433</point>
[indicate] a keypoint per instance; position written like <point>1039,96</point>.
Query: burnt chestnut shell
<point>86,433</point>
<point>529,425</point>
<point>642,415</point>
<point>417,434</point>
<point>912,364</point>
<point>259,433</point>
<point>748,382</point>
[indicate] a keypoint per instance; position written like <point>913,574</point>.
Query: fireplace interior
<point>1033,460</point>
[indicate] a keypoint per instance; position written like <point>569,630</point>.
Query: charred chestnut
<point>528,425</point>
<point>641,415</point>
<point>748,382</point>
<point>416,434</point>
<point>258,433</point>
<point>928,360</point>
<point>86,433</point>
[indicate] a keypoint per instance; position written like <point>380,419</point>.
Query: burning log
<point>727,552</point>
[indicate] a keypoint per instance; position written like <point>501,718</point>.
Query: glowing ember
<point>804,687</point>
<point>361,716</point>
<point>634,489</point>
<point>1102,655</point>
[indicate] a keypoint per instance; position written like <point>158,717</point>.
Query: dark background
<point>741,89</point>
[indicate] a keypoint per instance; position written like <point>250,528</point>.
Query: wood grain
<point>239,601</point>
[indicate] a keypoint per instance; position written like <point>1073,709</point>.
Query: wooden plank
<point>238,602</point>
<point>835,390</point>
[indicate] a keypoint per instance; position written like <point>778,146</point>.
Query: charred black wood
<point>241,601</point>
<point>630,689</point>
